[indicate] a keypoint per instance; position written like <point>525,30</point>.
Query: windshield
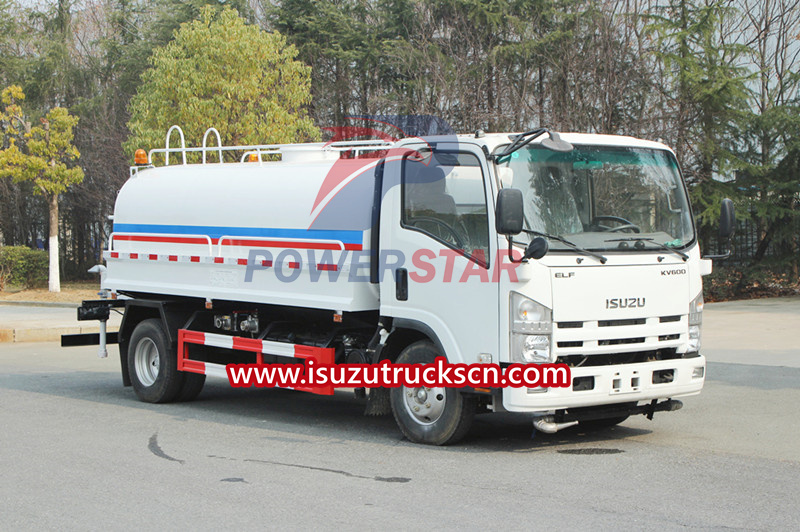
<point>601,197</point>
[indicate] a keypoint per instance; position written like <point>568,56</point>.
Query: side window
<point>444,197</point>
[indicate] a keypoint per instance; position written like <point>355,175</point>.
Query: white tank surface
<point>291,232</point>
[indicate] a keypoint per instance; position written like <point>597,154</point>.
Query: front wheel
<point>152,365</point>
<point>435,416</point>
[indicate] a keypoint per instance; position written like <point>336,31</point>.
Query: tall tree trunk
<point>54,282</point>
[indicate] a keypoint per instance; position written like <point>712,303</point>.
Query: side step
<point>320,355</point>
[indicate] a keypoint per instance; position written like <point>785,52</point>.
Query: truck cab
<point>617,296</point>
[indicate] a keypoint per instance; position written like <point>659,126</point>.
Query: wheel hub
<point>147,361</point>
<point>424,404</point>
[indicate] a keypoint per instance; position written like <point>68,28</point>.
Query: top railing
<point>357,147</point>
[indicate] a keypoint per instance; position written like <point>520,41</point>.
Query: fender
<point>424,328</point>
<point>173,314</point>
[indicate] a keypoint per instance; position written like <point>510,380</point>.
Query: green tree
<point>43,155</point>
<point>708,95</point>
<point>219,71</point>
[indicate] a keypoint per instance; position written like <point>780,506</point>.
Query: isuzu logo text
<point>625,302</point>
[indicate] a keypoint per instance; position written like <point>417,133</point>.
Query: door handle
<point>401,284</point>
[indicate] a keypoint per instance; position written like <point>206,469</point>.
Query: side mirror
<point>727,226</point>
<point>508,212</point>
<point>727,219</point>
<point>537,249</point>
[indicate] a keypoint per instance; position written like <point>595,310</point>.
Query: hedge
<point>23,267</point>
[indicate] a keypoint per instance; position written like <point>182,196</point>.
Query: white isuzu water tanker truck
<point>504,249</point>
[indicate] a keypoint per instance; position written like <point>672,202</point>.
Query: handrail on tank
<point>180,235</point>
<point>219,143</point>
<point>183,144</point>
<point>275,239</point>
<point>260,149</point>
<point>377,144</point>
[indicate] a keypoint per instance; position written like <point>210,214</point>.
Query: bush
<point>749,282</point>
<point>23,267</point>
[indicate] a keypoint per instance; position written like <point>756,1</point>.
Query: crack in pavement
<point>323,469</point>
<point>156,449</point>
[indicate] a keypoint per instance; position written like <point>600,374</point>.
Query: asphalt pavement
<point>78,451</point>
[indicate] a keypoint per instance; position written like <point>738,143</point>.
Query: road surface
<point>79,451</point>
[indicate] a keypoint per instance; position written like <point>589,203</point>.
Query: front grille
<point>625,334</point>
<point>620,323</point>
<point>621,341</point>
<point>576,343</point>
<point>612,359</point>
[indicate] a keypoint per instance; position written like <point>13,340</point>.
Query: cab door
<point>438,248</point>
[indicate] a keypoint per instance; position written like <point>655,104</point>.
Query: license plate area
<point>623,382</point>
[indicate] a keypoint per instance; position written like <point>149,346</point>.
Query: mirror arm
<point>727,253</point>
<point>511,253</point>
<point>718,257</point>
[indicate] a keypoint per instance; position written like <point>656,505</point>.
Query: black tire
<point>450,423</point>
<point>192,386</point>
<point>152,365</point>
<point>599,424</point>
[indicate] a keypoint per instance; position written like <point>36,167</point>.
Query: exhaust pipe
<point>548,425</point>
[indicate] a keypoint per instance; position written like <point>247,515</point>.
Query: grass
<point>71,292</point>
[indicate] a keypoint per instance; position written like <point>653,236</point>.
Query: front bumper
<point>622,383</point>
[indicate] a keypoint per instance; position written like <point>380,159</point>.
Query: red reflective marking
<point>193,366</point>
<point>167,239</point>
<point>153,257</point>
<point>134,255</point>
<point>239,242</point>
<point>322,355</point>
<point>247,344</point>
<point>294,265</point>
<point>219,260</point>
<point>190,337</point>
<point>328,267</point>
<point>279,244</point>
<point>173,258</point>
<point>243,262</point>
<point>193,337</point>
<point>114,255</point>
<point>194,258</point>
<point>266,263</point>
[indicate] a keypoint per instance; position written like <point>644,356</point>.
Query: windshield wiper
<point>557,238</point>
<point>554,142</point>
<point>653,241</point>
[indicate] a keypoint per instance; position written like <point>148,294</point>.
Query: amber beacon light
<point>140,157</point>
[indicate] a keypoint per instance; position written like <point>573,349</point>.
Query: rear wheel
<point>192,386</point>
<point>152,365</point>
<point>435,416</point>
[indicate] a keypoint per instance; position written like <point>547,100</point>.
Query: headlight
<point>530,348</point>
<point>528,316</point>
<point>531,325</point>
<point>694,338</point>
<point>696,310</point>
<point>695,322</point>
